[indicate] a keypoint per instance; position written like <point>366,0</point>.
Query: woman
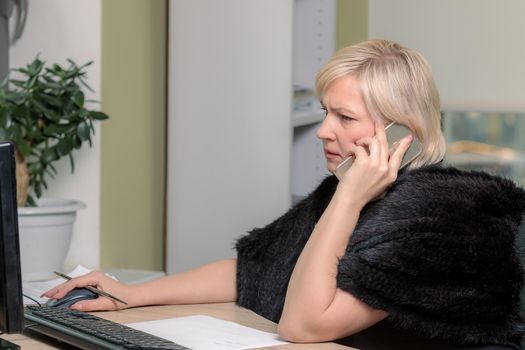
<point>421,257</point>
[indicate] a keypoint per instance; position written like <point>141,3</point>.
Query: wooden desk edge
<point>224,311</point>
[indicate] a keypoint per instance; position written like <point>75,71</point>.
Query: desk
<point>225,311</point>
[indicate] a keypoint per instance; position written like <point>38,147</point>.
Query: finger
<point>90,279</point>
<point>399,152</point>
<point>359,152</point>
<point>100,303</point>
<point>59,291</point>
<point>50,293</point>
<point>395,145</point>
<point>363,141</point>
<point>373,146</point>
<point>381,137</point>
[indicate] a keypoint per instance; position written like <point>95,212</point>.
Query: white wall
<point>60,29</point>
<point>229,123</point>
<point>476,47</point>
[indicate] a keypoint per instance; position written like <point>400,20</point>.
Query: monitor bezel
<point>11,300</point>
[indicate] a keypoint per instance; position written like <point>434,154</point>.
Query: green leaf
<point>78,98</point>
<point>83,114</point>
<point>15,97</point>
<point>64,146</point>
<point>37,188</point>
<point>50,173</point>
<point>35,67</point>
<point>73,64</point>
<point>23,71</point>
<point>43,111</point>
<point>54,129</point>
<point>23,147</point>
<point>32,82</point>
<point>5,119</point>
<point>77,142</point>
<point>52,167</point>
<point>39,106</point>
<point>52,100</point>
<point>83,131</point>
<point>86,85</point>
<point>98,115</point>
<point>31,201</point>
<point>55,68</point>
<point>49,155</point>
<point>20,84</point>
<point>72,162</point>
<point>34,167</point>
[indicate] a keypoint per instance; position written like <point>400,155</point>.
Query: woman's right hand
<point>100,281</point>
<point>375,166</point>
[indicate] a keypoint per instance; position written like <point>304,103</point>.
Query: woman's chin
<point>330,166</point>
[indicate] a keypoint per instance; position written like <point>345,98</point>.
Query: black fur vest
<point>437,253</point>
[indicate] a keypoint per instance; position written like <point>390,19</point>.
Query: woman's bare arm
<point>211,283</point>
<point>214,282</point>
<point>315,309</point>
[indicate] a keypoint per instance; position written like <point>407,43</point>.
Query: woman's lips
<point>331,155</point>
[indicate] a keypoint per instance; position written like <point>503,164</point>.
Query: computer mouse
<point>72,297</point>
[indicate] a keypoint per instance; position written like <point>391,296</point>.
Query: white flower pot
<point>45,236</point>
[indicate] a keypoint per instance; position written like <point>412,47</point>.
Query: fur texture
<point>437,253</point>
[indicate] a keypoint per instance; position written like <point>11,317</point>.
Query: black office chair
<point>520,244</point>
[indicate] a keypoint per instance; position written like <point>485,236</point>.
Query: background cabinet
<point>313,44</point>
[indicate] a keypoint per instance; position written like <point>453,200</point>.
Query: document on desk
<point>35,288</point>
<point>201,332</point>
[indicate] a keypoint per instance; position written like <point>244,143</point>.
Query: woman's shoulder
<point>436,174</point>
<point>448,186</point>
<point>437,253</point>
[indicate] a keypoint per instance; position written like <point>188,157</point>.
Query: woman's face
<point>347,120</point>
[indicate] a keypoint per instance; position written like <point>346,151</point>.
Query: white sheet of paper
<point>201,332</point>
<point>35,288</point>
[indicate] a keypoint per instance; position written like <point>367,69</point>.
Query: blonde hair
<point>397,86</point>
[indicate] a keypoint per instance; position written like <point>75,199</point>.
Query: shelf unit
<point>313,44</point>
<point>303,118</point>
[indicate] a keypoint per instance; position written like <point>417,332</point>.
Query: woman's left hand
<point>373,171</point>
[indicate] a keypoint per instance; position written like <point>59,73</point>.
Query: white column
<point>230,95</point>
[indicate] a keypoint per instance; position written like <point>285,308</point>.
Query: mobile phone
<point>394,133</point>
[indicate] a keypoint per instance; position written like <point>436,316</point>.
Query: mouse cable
<point>28,297</point>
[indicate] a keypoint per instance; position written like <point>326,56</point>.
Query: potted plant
<point>43,111</point>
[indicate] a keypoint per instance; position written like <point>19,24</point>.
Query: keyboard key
<point>99,328</point>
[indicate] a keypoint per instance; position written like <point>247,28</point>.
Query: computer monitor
<point>11,304</point>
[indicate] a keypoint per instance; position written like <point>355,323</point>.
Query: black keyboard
<point>91,332</point>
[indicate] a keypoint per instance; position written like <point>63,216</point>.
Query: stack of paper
<point>201,332</point>
<point>34,289</point>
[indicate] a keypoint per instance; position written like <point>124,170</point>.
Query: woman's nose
<point>325,131</point>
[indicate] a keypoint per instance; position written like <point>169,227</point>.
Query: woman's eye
<point>346,118</point>
<point>325,111</point>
